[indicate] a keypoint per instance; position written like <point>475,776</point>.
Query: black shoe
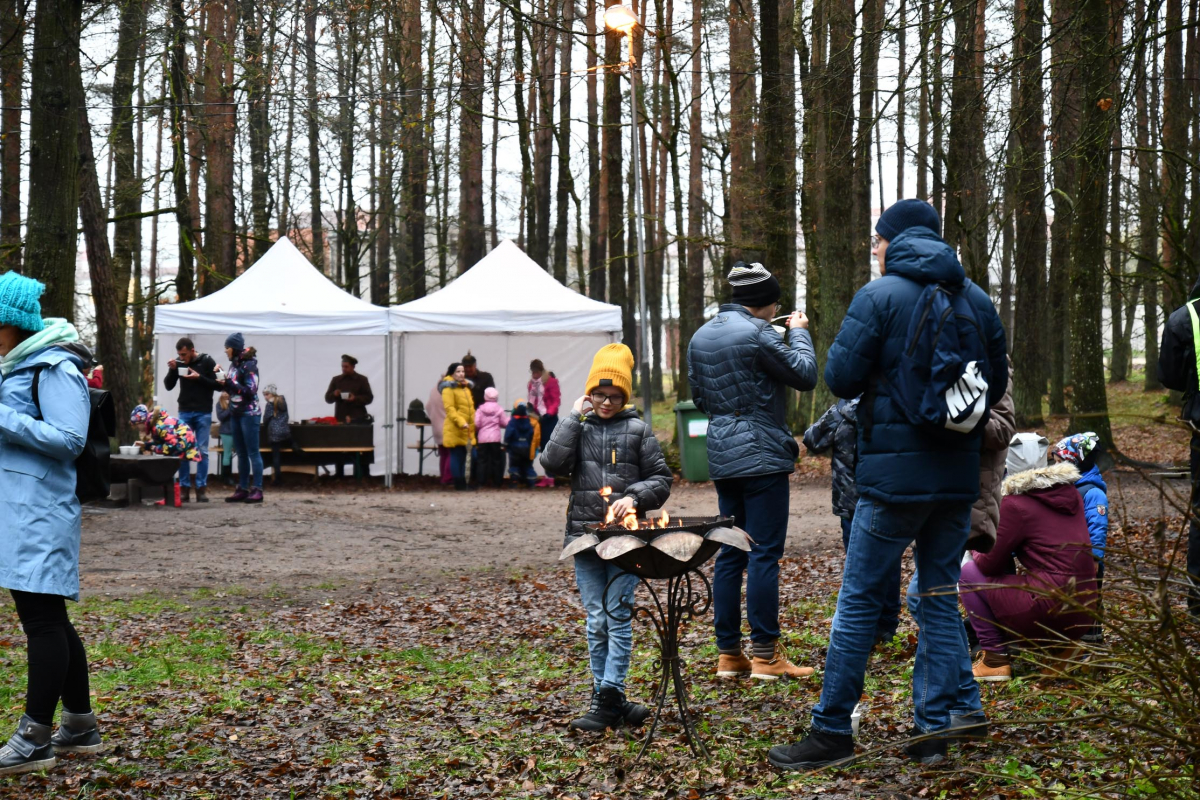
<point>77,733</point>
<point>201,494</point>
<point>605,712</point>
<point>928,751</point>
<point>29,750</point>
<point>185,494</point>
<point>974,726</point>
<point>634,714</point>
<point>814,751</point>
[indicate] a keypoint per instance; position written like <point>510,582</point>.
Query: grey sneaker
<point>29,750</point>
<point>77,733</point>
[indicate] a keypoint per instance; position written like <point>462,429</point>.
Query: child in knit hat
<point>490,423</point>
<point>522,437</point>
<point>602,444</point>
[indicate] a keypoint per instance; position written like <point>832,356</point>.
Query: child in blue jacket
<point>521,441</point>
<point>1080,450</point>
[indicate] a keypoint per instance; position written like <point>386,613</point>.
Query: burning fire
<point>630,521</point>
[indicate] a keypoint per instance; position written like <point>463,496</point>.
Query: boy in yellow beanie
<point>603,443</point>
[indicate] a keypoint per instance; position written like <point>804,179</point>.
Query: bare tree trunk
<point>50,245</point>
<point>901,108</point>
<point>316,223</point>
<point>780,189</point>
<point>543,144</point>
<point>471,232</point>
<point>1065,113</point>
<point>1089,402</point>
<point>691,269</point>
<point>285,199</point>
<point>1174,159</point>
<point>1118,370</point>
<point>495,148</point>
<point>618,293</point>
<point>106,289</point>
<point>965,225</point>
<point>220,114</point>
<point>923,111</point>
<point>528,206</point>
<point>1147,198</point>
<point>185,279</point>
<point>744,184</point>
<point>789,179</point>
<point>1029,206</point>
<point>381,274</point>
<point>813,157</point>
<point>257,81</point>
<point>566,184</point>
<point>937,100</point>
<point>127,189</point>
<point>872,28</point>
<point>12,74</point>
<point>597,227</point>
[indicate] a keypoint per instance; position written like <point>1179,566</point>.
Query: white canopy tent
<point>301,323</point>
<point>506,311</point>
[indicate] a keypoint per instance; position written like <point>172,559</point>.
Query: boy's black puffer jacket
<point>620,452</point>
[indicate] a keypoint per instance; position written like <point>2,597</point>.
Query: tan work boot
<point>733,666</point>
<point>992,667</point>
<point>778,667</point>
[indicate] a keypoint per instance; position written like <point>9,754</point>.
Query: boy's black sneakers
<point>610,709</point>
<point>77,733</point>
<point>928,751</point>
<point>814,751</point>
<point>634,714</point>
<point>29,750</point>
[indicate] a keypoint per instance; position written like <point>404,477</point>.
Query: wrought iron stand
<point>687,596</point>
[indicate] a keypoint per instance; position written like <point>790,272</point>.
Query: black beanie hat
<point>753,286</point>
<point>904,214</point>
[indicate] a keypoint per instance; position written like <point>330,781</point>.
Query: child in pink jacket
<point>490,421</point>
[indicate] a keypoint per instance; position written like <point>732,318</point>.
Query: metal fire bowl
<point>652,563</point>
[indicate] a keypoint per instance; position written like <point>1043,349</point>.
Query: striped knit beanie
<point>753,285</point>
<point>20,303</point>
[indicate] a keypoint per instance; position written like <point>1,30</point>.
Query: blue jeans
<point>610,641</point>
<point>458,465</point>
<point>889,621</point>
<point>967,702</point>
<point>201,423</point>
<point>245,441</point>
<point>880,534</point>
<point>759,506</point>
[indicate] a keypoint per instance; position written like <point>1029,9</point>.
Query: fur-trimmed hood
<point>1031,480</point>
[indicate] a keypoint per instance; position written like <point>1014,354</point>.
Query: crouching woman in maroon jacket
<point>1042,526</point>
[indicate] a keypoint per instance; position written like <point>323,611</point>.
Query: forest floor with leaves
<point>463,688</point>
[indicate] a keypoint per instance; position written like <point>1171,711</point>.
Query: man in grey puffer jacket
<point>739,368</point>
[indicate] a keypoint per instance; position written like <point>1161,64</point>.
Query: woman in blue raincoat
<point>39,542</point>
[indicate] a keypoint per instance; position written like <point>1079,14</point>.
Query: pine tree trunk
<point>1116,249</point>
<point>936,104</point>
<point>744,183</point>
<point>618,290</point>
<point>566,186</point>
<point>220,117</point>
<point>410,265</point>
<point>50,245</point>
<point>788,184</point>
<point>528,206</point>
<point>812,158</point>
<point>127,189</point>
<point>965,224</point>
<point>597,225</point>
<point>780,189</point>
<point>257,126</point>
<point>543,138</point>
<point>12,75</point>
<point>316,222</point>
<point>872,28</point>
<point>1175,263</point>
<point>1148,200</point>
<point>108,293</point>
<point>923,120</point>
<point>498,64</point>
<point>381,274</point>
<point>1029,208</point>
<point>901,107</point>
<point>185,278</point>
<point>691,268</point>
<point>1089,403</point>
<point>471,242</point>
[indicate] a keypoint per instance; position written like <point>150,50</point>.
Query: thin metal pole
<point>638,221</point>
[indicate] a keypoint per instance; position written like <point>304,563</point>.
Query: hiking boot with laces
<point>777,667</point>
<point>185,494</point>
<point>29,749</point>
<point>201,494</point>
<point>604,713</point>
<point>239,496</point>
<point>992,667</point>
<point>731,666</point>
<point>634,714</point>
<point>928,751</point>
<point>77,733</point>
<point>255,496</point>
<point>814,751</point>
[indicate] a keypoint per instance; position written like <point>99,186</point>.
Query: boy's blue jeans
<point>609,640</point>
<point>759,506</point>
<point>880,534</point>
<point>201,423</point>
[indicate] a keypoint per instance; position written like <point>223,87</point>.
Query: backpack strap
<point>37,374</point>
<point>1191,307</point>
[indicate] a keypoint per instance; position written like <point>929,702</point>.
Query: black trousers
<point>57,661</point>
<point>490,463</point>
<point>1193,552</point>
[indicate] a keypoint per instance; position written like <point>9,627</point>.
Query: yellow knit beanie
<point>612,366</point>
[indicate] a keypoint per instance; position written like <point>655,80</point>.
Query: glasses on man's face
<point>599,399</point>
<point>874,241</point>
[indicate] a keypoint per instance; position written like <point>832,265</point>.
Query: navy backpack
<point>942,380</point>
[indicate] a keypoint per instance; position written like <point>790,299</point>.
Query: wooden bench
<point>316,463</point>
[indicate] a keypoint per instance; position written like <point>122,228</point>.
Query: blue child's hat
<point>20,301</point>
<point>904,214</point>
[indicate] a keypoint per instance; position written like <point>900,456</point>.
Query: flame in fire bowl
<point>660,552</point>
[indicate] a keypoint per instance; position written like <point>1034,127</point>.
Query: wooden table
<point>290,455</point>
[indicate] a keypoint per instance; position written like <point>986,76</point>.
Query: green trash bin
<point>693,440</point>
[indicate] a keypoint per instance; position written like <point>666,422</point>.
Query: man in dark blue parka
<point>914,488</point>
<point>739,368</point>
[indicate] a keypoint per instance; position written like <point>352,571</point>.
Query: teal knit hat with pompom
<point>20,302</point>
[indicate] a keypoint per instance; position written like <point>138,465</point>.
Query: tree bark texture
<point>12,73</point>
<point>966,217</point>
<point>618,291</point>
<point>472,244</point>
<point>744,185</point>
<point>257,83</point>
<point>127,188</point>
<point>872,33</point>
<point>220,127</point>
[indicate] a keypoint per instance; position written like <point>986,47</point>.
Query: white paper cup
<point>185,371</point>
<point>345,395</point>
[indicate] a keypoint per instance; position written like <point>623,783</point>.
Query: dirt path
<point>300,539</point>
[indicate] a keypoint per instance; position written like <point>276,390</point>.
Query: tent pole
<point>387,410</point>
<point>400,432</point>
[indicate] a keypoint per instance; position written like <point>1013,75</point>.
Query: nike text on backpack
<point>91,465</point>
<point>942,380</point>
